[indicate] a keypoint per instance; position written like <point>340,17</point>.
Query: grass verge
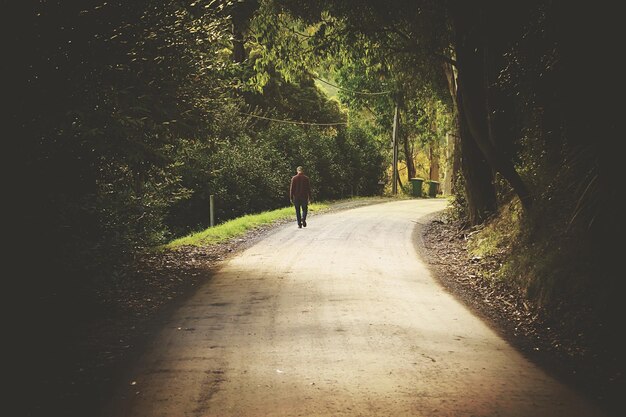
<point>237,227</point>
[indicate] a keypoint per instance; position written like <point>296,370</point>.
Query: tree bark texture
<point>454,140</point>
<point>406,145</point>
<point>408,154</point>
<point>472,50</point>
<point>433,173</point>
<point>480,191</point>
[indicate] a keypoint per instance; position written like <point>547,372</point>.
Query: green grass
<point>498,234</point>
<point>237,227</point>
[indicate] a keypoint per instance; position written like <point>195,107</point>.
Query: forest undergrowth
<point>485,268</point>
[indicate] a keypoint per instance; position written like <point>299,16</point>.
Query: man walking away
<point>300,195</point>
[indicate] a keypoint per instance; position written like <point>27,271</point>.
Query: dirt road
<point>337,319</point>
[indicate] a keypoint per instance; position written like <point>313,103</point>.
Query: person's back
<point>301,187</point>
<point>300,195</point>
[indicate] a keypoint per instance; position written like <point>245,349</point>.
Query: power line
<point>367,93</point>
<point>293,122</point>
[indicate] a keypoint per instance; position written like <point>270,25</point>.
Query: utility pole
<point>394,141</point>
<point>211,210</point>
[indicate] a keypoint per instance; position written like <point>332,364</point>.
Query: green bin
<point>417,186</point>
<point>433,187</point>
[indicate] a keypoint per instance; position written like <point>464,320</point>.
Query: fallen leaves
<point>562,346</point>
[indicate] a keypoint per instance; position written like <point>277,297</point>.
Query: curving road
<point>337,319</point>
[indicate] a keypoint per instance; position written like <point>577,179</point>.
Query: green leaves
<point>142,121</point>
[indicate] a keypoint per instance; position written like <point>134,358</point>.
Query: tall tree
<point>241,12</point>
<point>473,46</point>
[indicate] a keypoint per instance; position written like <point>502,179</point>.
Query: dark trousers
<point>302,208</point>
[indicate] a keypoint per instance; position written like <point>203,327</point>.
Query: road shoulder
<point>442,245</point>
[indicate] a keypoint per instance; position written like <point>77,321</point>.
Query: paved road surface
<point>338,319</point>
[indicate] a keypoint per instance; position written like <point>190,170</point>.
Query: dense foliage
<point>124,118</point>
<point>534,116</point>
<point>127,117</point>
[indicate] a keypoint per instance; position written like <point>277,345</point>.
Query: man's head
<point>299,170</point>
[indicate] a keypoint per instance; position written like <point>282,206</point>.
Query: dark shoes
<point>299,226</point>
<point>304,223</point>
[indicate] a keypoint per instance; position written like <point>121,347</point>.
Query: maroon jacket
<point>300,187</point>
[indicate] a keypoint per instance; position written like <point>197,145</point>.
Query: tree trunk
<point>408,154</point>
<point>451,150</point>
<point>472,57</point>
<point>456,156</point>
<point>434,162</point>
<point>239,50</point>
<point>240,19</point>
<point>398,178</point>
<point>468,159</point>
<point>454,145</point>
<point>406,145</point>
<point>479,188</point>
